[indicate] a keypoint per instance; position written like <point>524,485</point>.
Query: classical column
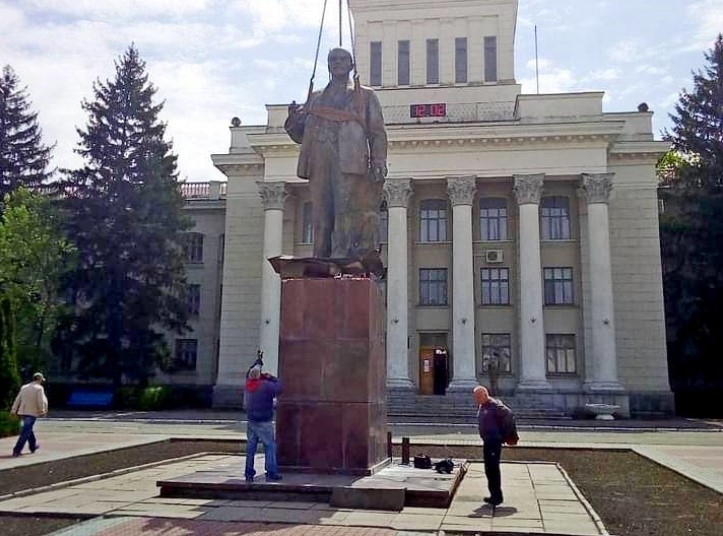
<point>461,192</point>
<point>528,189</point>
<point>273,195</point>
<point>397,194</point>
<point>596,188</point>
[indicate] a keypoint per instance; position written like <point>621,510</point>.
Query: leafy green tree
<point>34,256</point>
<point>692,233</point>
<point>125,216</point>
<point>9,375</point>
<point>24,159</point>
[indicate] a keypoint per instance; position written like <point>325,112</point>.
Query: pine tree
<point>125,209</point>
<point>698,125</point>
<point>691,238</point>
<point>24,159</point>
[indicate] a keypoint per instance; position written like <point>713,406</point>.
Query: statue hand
<point>295,109</point>
<point>379,171</point>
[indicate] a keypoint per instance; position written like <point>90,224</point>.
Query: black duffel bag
<point>422,461</point>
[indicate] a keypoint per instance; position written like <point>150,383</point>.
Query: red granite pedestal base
<point>331,417</point>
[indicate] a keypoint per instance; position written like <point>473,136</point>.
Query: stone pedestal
<point>331,417</point>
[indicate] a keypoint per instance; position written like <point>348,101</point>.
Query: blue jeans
<point>263,432</point>
<point>26,434</point>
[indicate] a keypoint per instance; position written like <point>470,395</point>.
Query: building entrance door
<point>433,364</point>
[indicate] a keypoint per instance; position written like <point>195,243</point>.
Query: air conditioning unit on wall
<point>494,256</point>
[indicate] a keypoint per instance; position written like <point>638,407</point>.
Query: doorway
<point>433,364</point>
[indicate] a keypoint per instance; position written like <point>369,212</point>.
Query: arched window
<point>433,220</point>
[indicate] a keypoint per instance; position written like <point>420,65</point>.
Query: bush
<point>9,424</point>
<point>154,398</point>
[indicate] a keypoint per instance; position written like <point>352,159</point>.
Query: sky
<point>211,60</point>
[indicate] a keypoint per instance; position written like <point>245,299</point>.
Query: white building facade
<point>521,230</point>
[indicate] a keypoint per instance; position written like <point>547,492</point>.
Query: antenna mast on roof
<point>537,63</point>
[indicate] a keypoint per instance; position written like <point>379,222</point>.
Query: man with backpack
<point>496,426</point>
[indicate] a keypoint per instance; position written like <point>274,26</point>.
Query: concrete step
<point>429,407</point>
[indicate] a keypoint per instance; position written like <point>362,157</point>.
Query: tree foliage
<point>24,159</point>
<point>692,231</point>
<point>125,215</point>
<point>34,256</point>
<point>9,376</point>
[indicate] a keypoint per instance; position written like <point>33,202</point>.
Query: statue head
<point>340,62</point>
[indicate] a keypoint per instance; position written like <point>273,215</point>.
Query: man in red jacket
<point>261,389</point>
<point>496,426</point>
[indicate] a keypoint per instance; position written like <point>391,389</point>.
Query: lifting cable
<point>316,57</point>
<point>318,45</point>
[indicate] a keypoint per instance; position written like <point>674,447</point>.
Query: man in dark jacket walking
<point>496,426</point>
<point>261,389</point>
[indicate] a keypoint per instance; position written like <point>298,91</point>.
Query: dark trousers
<point>492,451</point>
<point>26,435</point>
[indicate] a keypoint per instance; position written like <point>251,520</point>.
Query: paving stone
<point>366,519</point>
<point>417,522</point>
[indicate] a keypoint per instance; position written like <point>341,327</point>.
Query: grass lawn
<point>632,495</point>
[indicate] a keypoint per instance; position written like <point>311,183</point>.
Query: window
<point>221,248</point>
<point>307,227</point>
<point>432,61</point>
<point>496,352</point>
<point>375,65</point>
<point>493,218</point>
<point>561,354</point>
<point>495,286</point>
<point>383,223</point>
<point>491,59</point>
<point>403,63</point>
<point>186,352</point>
<point>460,60</point>
<point>194,299</point>
<point>433,220</point>
<point>433,286</point>
<point>193,247</point>
<point>558,286</point>
<point>555,218</point>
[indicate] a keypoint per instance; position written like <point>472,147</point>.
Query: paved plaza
<point>540,498</point>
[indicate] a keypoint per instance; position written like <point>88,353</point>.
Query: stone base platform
<point>392,488</point>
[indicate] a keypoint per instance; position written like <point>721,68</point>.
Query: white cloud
<point>552,79</point>
<point>650,70</point>
<point>276,15</point>
<point>605,74</point>
<point>708,18</point>
<point>119,9</point>
<point>626,51</point>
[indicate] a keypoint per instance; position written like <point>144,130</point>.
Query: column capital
<point>461,190</point>
<point>596,187</point>
<point>528,188</point>
<point>397,192</point>
<point>273,194</point>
